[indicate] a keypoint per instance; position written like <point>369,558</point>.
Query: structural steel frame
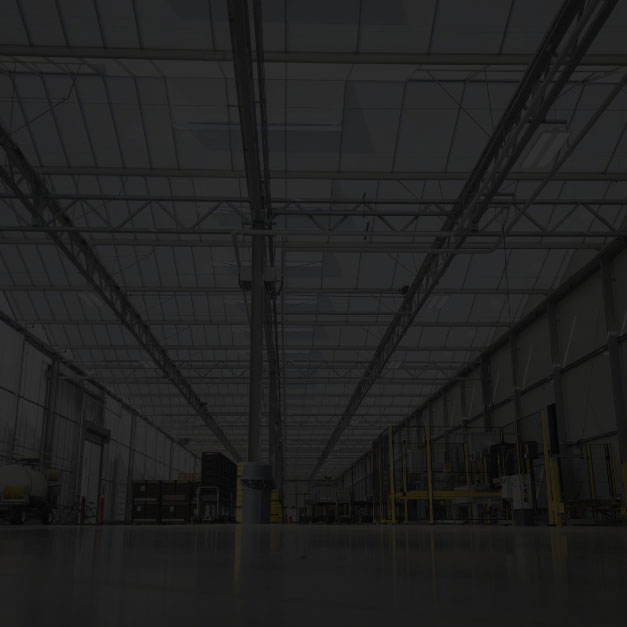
<point>26,184</point>
<point>565,44</point>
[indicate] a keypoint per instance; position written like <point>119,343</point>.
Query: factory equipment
<point>27,489</point>
<point>208,496</point>
<point>176,502</point>
<point>217,492</point>
<point>146,507</point>
<point>328,503</point>
<point>208,507</point>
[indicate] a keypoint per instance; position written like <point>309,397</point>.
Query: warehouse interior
<point>323,303</point>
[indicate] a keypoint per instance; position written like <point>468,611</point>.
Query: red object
<point>100,509</point>
<point>289,520</point>
<point>82,510</point>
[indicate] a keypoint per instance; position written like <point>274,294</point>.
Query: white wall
<point>24,383</point>
<point>584,363</point>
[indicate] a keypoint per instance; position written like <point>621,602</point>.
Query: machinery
<point>28,490</point>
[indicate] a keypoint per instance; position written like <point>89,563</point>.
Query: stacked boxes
<point>156,502</point>
<point>146,502</point>
<point>176,502</point>
<point>208,495</point>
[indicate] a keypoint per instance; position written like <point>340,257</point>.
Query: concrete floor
<point>311,575</point>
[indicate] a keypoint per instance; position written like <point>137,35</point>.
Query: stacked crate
<point>219,471</point>
<point>146,502</point>
<point>176,502</point>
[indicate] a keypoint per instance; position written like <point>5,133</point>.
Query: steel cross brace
<point>20,177</point>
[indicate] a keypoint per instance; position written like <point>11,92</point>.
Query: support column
<point>171,460</point>
<point>486,392</point>
<point>47,431</point>
<point>558,392</point>
<point>445,416</point>
<point>513,349</point>
<point>129,474</point>
<point>256,347</point>
<point>16,413</point>
<point>80,445</point>
<point>463,401</point>
<point>616,370</point>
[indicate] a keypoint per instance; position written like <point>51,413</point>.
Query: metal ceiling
<point>128,114</point>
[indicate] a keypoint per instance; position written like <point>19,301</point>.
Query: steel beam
<point>294,323</point>
<point>200,347</point>
<point>293,206</point>
<point>617,372</point>
<point>295,290</point>
<point>20,51</point>
<point>322,175</point>
<point>339,245</point>
<point>556,367</point>
<point>483,240</point>
<point>569,37</point>
<point>20,177</point>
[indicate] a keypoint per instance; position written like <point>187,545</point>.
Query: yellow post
<point>467,464</point>
<point>558,507</point>
<point>547,466</point>
<point>391,465</point>
<point>591,483</point>
<point>429,472</point>
<point>404,453</point>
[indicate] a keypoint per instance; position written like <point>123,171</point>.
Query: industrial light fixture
<point>545,146</point>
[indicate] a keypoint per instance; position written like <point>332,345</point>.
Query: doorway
<point>90,478</point>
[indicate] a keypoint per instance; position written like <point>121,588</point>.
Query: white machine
<point>517,489</point>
